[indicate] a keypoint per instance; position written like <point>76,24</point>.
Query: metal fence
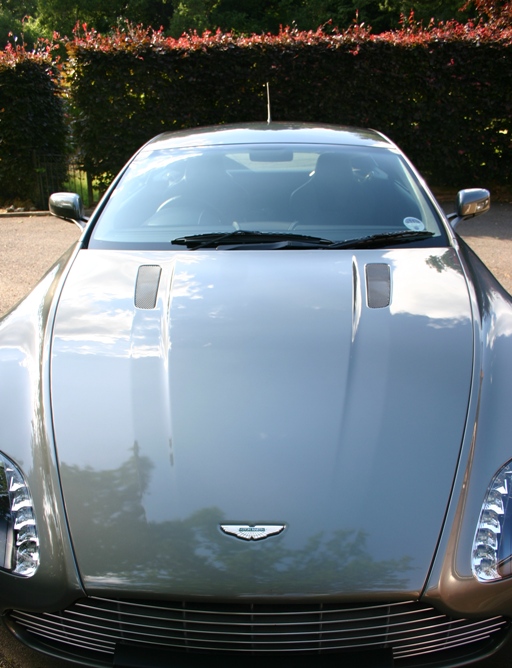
<point>55,173</point>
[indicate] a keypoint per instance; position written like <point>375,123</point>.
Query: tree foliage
<point>28,19</point>
<point>62,15</point>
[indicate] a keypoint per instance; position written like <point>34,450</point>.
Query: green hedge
<point>444,94</point>
<point>32,124</point>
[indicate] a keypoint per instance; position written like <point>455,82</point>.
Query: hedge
<point>32,123</point>
<point>443,94</point>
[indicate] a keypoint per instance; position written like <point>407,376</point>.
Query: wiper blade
<point>384,239</point>
<point>250,237</point>
<point>289,240</point>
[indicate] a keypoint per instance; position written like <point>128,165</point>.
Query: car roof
<point>265,133</point>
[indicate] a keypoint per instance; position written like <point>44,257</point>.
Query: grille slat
<point>74,639</point>
<point>97,628</point>
<point>429,648</point>
<point>257,621</point>
<point>59,631</point>
<point>409,628</point>
<point>230,630</point>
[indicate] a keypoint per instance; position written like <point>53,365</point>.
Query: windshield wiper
<point>288,240</point>
<point>251,237</point>
<point>384,239</point>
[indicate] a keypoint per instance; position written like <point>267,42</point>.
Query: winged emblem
<point>252,531</point>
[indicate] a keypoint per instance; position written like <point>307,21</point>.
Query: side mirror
<point>68,206</point>
<point>470,203</point>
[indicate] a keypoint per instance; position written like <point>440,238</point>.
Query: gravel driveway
<point>30,245</point>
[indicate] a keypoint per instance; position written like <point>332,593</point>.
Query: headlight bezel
<point>491,556</point>
<point>19,540</point>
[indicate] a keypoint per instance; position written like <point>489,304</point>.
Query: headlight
<point>492,546</point>
<point>19,544</point>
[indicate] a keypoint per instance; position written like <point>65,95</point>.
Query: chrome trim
<point>252,531</point>
<point>409,628</point>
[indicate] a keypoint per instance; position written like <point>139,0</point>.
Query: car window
<point>336,193</point>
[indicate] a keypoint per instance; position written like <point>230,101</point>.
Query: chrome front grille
<point>408,628</point>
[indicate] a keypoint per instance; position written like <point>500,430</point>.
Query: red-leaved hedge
<point>444,94</point>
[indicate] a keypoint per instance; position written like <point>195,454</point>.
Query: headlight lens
<point>19,544</point>
<point>492,546</point>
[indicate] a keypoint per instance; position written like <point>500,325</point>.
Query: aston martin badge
<point>252,531</point>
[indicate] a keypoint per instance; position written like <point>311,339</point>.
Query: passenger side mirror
<point>471,202</point>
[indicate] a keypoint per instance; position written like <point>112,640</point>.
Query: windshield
<point>335,193</point>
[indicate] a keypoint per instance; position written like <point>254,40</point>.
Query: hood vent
<point>146,287</point>
<point>378,285</point>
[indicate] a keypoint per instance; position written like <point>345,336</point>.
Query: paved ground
<point>29,246</point>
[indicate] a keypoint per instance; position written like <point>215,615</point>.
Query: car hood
<point>260,388</point>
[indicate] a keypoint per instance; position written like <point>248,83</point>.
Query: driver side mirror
<point>68,206</point>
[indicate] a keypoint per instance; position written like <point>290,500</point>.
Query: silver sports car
<point>262,410</point>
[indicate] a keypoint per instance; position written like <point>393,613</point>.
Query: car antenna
<point>269,118</point>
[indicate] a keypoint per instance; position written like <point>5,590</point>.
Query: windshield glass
<point>336,193</point>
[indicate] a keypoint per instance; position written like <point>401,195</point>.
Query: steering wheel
<point>195,211</point>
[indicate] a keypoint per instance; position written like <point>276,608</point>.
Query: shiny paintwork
<point>371,433</point>
<point>275,397</point>
<point>263,132</point>
<point>26,436</point>
<point>486,447</point>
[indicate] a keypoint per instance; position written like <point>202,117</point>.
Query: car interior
<point>328,192</point>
